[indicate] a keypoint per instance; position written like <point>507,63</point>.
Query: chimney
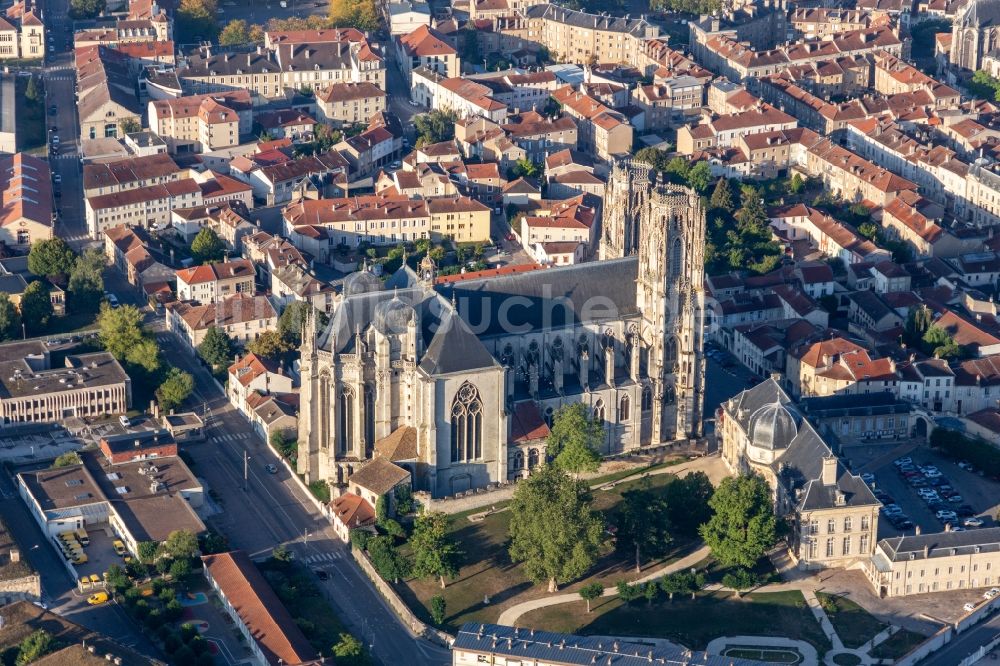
<point>829,471</point>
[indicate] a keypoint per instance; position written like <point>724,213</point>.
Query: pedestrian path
<point>322,558</point>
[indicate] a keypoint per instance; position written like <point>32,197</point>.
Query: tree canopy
<point>10,318</point>
<point>175,389</point>
<point>238,31</point>
<point>434,552</point>
<point>269,344</point>
<point>181,543</point>
<point>38,644</point>
<point>575,439</point>
<point>360,14</point>
<point>86,281</point>
<point>207,246</point>
<point>742,527</point>
<point>122,334</point>
<point>741,241</point>
<point>86,9</point>
<point>435,126</point>
<point>36,308</point>
<point>688,500</point>
<point>216,349</point>
<point>194,20</point>
<point>554,530</point>
<point>722,196</point>
<point>643,521</point>
<point>51,258</point>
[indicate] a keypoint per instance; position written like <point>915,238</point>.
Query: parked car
<point>271,469</point>
<point>991,593</point>
<point>973,522</point>
<point>969,607</point>
<point>97,599</point>
<point>892,510</point>
<point>124,421</point>
<point>905,460</point>
<point>945,516</point>
<point>966,465</point>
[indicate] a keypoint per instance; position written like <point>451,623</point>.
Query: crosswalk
<point>323,558</point>
<point>60,77</point>
<point>231,437</point>
<point>65,156</point>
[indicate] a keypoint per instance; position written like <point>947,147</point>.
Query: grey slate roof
<point>941,544</point>
<point>552,298</point>
<point>572,17</point>
<point>854,404</point>
<point>455,348</point>
<point>552,648</point>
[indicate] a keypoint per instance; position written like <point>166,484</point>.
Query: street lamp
<point>246,471</point>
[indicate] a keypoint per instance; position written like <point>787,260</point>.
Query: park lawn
<point>897,645</point>
<point>310,609</point>
<point>853,624</point>
<point>489,572</point>
<point>692,623</point>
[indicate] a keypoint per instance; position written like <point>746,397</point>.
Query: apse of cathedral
<point>459,382</point>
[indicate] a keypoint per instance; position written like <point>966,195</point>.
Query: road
<point>966,643</point>
<point>60,82</point>
<point>272,509</point>
<point>58,587</point>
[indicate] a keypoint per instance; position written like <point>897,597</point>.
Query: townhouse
<point>838,366</point>
<point>274,183</point>
<point>917,221</point>
<point>242,317</point>
<point>463,96</point>
<point>294,283</point>
<point>851,177</point>
<point>149,206</point>
<point>539,136</point>
<point>126,249</point>
<point>348,103</point>
<point>828,235</point>
<point>287,124</point>
<point>561,234</point>
<point>825,22</point>
<point>601,131</point>
<point>426,48</point>
<point>210,283</point>
<point>669,102</point>
<point>723,131</point>
<point>575,36</point>
<point>201,123</point>
<point>129,173</point>
<point>253,375</point>
<point>459,218</point>
<point>106,92</point>
<point>22,36</point>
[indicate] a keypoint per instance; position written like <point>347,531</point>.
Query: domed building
<point>975,33</point>
<point>832,512</point>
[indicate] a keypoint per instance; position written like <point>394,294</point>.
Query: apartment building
<point>575,36</point>
<point>917,221</point>
<point>723,132</point>
<point>539,136</point>
<point>826,22</point>
<point>461,219</point>
<point>268,73</point>
<point>129,173</point>
<point>373,149</point>
<point>87,385</point>
<point>26,212</point>
<point>921,563</point>
<point>828,235</point>
<point>242,317</point>
<point>602,132</point>
<point>210,283</point>
<point>107,95</point>
<point>125,249</point>
<point>274,183</point>
<point>565,221</point>
<point>670,102</point>
<point>202,123</point>
<point>838,366</point>
<point>466,97</point>
<point>851,177</point>
<point>252,375</point>
<point>349,103</point>
<point>427,48</point>
<point>149,207</point>
<point>894,76</point>
<point>22,37</point>
<point>319,226</point>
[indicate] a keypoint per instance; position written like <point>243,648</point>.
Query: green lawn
<point>691,622</point>
<point>30,118</point>
<point>853,624</point>
<point>489,574</point>
<point>898,645</point>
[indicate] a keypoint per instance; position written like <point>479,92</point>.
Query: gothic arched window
<point>369,416</point>
<point>599,410</point>
<point>324,411</point>
<point>345,433</point>
<point>676,258</point>
<point>518,462</point>
<point>647,399</point>
<point>549,416</point>
<point>532,458</point>
<point>670,353</point>
<point>466,424</point>
<point>624,409</point>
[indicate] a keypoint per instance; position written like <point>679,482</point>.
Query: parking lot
<point>100,553</point>
<point>923,488</point>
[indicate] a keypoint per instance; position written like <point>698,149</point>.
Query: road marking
<point>329,556</point>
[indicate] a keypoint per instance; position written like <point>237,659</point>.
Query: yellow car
<point>84,581</point>
<point>80,558</point>
<point>94,578</point>
<point>97,599</point>
<point>119,547</point>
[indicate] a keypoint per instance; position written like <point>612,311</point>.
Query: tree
<point>918,320</point>
<point>234,33</point>
<point>349,651</point>
<point>194,21</point>
<point>434,553</point>
<point>174,390</point>
<point>38,644</point>
<point>147,551</point>
<point>213,542</point>
<point>67,459</point>
<point>722,196</point>
<point>130,125</point>
<point>940,343</point>
<point>743,526</point>
<point>553,529</point>
<point>438,609</point>
<point>386,559</point>
<point>86,281</point>
<point>86,9</point>
<point>180,568</point>
<point>869,230</point>
<point>360,14</point>
<point>700,177</point>
<point>643,523</point>
<point>434,126</point>
<point>123,336</point>
<point>207,246</point>
<point>591,592</point>
<point>525,168</point>
<point>291,321</point>
<point>216,349</point>
<point>575,438</point>
<point>281,553</point>
<point>32,90</point>
<point>677,169</point>
<point>116,578</point>
<point>687,502</point>
<point>281,444</point>
<point>181,543</point>
<point>36,308</point>
<point>796,184</point>
<point>10,318</point>
<point>654,157</point>
<point>628,592</point>
<point>740,579</point>
<point>51,258</point>
<point>269,344</point>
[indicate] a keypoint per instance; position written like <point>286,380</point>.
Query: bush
<point>438,607</point>
<point>360,538</point>
<point>740,579</point>
<point>628,592</point>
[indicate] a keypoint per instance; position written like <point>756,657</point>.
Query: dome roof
<point>981,13</point>
<point>773,427</point>
<point>393,316</point>
<point>361,282</point>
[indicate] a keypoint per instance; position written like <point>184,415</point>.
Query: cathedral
<point>458,382</point>
<point>975,32</point>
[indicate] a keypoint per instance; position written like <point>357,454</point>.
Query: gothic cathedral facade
<point>459,382</point>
